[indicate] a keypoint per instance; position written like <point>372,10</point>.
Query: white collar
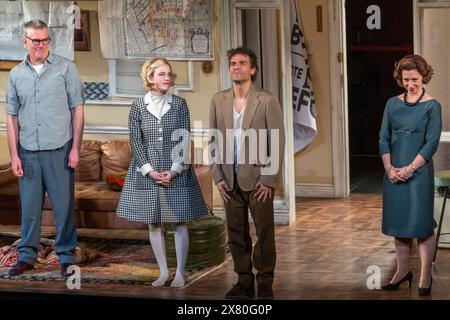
<point>151,107</point>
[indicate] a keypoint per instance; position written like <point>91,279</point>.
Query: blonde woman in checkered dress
<point>161,186</point>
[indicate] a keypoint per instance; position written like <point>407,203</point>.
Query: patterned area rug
<point>115,261</point>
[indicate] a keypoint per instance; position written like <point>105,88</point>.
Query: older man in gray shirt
<point>45,123</point>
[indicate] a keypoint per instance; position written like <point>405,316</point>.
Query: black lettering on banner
<point>305,97</point>
<point>302,100</point>
<point>297,72</point>
<point>306,85</point>
<point>295,92</point>
<point>296,34</point>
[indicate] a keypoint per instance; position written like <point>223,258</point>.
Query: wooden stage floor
<point>324,255</point>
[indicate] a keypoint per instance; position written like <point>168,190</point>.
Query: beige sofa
<point>95,201</point>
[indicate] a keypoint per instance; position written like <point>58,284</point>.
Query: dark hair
<point>246,52</point>
<point>34,25</point>
<point>412,62</point>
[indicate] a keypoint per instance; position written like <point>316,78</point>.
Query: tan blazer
<point>263,113</point>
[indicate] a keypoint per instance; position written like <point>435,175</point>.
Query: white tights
<point>158,244</point>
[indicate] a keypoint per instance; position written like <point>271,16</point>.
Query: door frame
<point>231,37</point>
<point>418,8</point>
<point>339,98</point>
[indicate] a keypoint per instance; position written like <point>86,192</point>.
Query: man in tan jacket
<point>247,147</point>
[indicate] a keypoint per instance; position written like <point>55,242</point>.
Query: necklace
<point>413,103</point>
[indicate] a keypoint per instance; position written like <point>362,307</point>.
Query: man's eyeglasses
<point>36,42</point>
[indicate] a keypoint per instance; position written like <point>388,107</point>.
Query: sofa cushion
<point>95,196</point>
<point>9,196</point>
<point>10,189</point>
<point>89,168</point>
<point>89,196</point>
<point>115,157</point>
<point>6,175</point>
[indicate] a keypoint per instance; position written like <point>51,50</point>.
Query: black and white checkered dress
<point>143,200</point>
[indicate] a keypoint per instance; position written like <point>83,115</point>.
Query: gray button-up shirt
<point>43,103</point>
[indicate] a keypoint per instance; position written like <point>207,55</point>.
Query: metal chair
<point>441,179</point>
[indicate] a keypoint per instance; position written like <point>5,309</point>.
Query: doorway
<point>378,33</point>
<point>270,17</point>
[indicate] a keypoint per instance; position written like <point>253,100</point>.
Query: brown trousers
<point>240,242</point>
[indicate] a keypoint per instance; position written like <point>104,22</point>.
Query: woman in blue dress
<point>409,136</point>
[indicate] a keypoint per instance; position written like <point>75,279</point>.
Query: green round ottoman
<point>207,243</point>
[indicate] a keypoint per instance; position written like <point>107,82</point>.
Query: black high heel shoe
<point>426,291</point>
<point>394,286</point>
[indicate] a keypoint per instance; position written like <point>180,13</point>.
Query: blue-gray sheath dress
<point>405,132</point>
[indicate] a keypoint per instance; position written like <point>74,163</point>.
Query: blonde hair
<point>148,70</point>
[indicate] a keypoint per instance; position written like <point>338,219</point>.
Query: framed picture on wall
<point>6,65</point>
<point>82,36</point>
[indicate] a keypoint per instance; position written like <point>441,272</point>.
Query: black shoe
<point>19,268</point>
<point>241,291</point>
<point>394,286</point>
<point>426,291</point>
<point>64,268</point>
<point>265,292</point>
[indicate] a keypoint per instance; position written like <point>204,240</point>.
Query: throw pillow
<point>116,181</point>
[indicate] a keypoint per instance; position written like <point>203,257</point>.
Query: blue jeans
<point>47,171</point>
